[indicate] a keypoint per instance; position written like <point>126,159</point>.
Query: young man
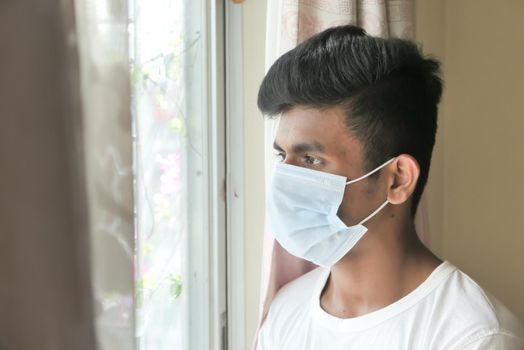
<point>358,117</point>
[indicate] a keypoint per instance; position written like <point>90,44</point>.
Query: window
<point>162,285</point>
<point>179,168</point>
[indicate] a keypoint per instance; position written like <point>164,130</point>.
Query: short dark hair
<point>387,88</point>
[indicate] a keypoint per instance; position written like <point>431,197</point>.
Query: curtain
<point>45,292</point>
<point>289,22</point>
<point>107,149</point>
<point>66,208</point>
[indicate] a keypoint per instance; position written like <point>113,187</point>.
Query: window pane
<point>168,77</point>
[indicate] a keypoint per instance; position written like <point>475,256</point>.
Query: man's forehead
<point>311,146</point>
<point>325,128</point>
<point>332,118</point>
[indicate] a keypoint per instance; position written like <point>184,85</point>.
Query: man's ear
<point>405,172</point>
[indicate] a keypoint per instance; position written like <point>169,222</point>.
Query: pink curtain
<point>289,22</point>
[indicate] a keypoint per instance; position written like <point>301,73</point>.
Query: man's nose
<point>291,160</point>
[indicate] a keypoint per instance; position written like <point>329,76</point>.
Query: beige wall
<point>476,180</point>
<point>483,168</point>
<point>429,24</point>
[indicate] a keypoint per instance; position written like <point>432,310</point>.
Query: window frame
<point>215,33</point>
<point>235,176</point>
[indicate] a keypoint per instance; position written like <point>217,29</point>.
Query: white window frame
<point>227,175</point>
<point>235,176</point>
<point>218,327</point>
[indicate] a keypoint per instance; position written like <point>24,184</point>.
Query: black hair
<point>387,88</point>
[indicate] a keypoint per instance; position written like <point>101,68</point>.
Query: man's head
<point>362,100</point>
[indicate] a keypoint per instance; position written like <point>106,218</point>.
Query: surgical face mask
<point>302,206</point>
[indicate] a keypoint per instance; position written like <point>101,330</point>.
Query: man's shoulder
<point>471,311</point>
<point>289,309</point>
<point>300,290</point>
<point>474,301</point>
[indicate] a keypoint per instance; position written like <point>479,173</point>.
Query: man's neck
<point>380,270</point>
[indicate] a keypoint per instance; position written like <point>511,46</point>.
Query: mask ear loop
<point>374,213</point>
<point>371,172</point>
<point>364,176</point>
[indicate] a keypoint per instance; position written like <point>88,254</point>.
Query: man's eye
<point>280,157</point>
<point>309,160</point>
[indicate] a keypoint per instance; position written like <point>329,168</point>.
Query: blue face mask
<point>302,206</point>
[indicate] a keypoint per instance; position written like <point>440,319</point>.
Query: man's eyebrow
<point>301,147</point>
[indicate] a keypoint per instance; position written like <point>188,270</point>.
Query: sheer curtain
<point>289,22</point>
<point>104,79</point>
<point>68,177</point>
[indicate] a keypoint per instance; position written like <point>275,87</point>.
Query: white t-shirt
<point>447,311</point>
